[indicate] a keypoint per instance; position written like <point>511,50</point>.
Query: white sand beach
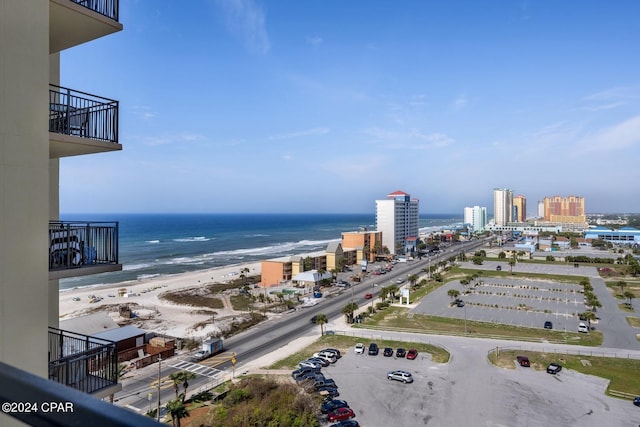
<point>153,313</point>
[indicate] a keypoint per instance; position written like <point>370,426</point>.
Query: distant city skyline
<point>282,106</point>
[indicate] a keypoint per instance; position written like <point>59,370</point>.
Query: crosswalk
<point>197,368</point>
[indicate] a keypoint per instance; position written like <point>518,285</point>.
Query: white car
<point>359,348</point>
<point>403,376</point>
<point>329,357</point>
<point>310,364</point>
<point>582,327</point>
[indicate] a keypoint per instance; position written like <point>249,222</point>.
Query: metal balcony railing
<point>43,403</point>
<point>81,114</point>
<point>108,8</point>
<point>88,364</point>
<point>76,244</point>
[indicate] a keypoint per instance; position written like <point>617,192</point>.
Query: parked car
<point>636,400</point>
<point>373,349</point>
<point>548,325</point>
<point>340,414</point>
<point>326,382</point>
<point>401,352</point>
<point>359,348</point>
<point>523,361</point>
<point>332,405</point>
<point>322,361</point>
<point>328,391</point>
<point>460,303</point>
<point>412,354</point>
<point>310,364</point>
<point>346,423</point>
<point>583,327</point>
<point>300,372</point>
<point>553,368</point>
<point>335,351</point>
<point>328,356</point>
<point>498,268</point>
<point>403,376</point>
<point>388,352</point>
<point>368,296</point>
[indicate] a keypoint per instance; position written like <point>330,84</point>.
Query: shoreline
<point>153,313</point>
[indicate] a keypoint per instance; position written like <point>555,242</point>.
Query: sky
<point>326,106</point>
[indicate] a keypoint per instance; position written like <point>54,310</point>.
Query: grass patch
<point>346,344</point>
<point>633,321</point>
<point>616,370</point>
<point>626,307</point>
<point>449,326</point>
<point>240,302</point>
<point>516,274</point>
<point>195,297</point>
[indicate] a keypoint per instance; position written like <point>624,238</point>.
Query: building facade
<point>366,243</point>
<point>502,206</point>
<point>519,208</point>
<point>476,217</point>
<point>397,219</point>
<point>41,122</point>
<point>565,209</point>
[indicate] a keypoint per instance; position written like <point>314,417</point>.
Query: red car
<point>368,296</point>
<point>412,354</point>
<point>341,414</point>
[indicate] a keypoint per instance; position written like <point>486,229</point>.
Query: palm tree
<point>243,275</point>
<point>384,292</point>
<point>413,279</point>
<point>511,264</point>
<point>321,319</point>
<point>629,296</point>
<point>186,377</point>
<point>588,316</point>
<point>392,290</point>
<point>348,310</point>
<point>176,378</point>
<point>177,410</point>
<point>622,284</point>
<point>453,293</point>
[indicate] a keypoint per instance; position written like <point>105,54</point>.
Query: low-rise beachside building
<point>621,236</point>
<point>365,244</point>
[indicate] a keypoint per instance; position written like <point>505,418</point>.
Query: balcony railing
<point>82,362</point>
<point>108,8</point>
<point>54,405</point>
<point>81,114</point>
<point>82,244</point>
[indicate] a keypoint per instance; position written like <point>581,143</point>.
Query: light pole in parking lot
<point>465,319</point>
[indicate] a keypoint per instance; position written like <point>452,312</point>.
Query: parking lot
<point>470,391</point>
<point>512,301</point>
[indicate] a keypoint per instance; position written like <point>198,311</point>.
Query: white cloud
<point>618,137</point>
<point>172,139</point>
<point>315,41</point>
<point>299,134</point>
<point>287,157</point>
<point>411,139</point>
<point>459,103</point>
<point>246,20</point>
<point>610,98</point>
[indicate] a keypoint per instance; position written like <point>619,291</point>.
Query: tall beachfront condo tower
<point>502,206</point>
<point>540,209</point>
<point>519,208</point>
<point>40,123</point>
<point>397,219</point>
<point>564,209</point>
<point>476,217</point>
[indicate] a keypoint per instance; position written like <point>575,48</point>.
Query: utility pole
<point>159,373</point>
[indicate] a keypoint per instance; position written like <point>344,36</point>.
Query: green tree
<point>177,379</point>
<point>413,279</point>
<point>621,285</point>
<point>629,296</point>
<point>243,275</point>
<point>477,260</point>
<point>511,264</point>
<point>453,293</point>
<point>550,258</point>
<point>321,319</point>
<point>177,410</point>
<point>589,316</point>
<point>502,255</point>
<point>348,311</point>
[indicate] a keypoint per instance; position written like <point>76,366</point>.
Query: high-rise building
<point>564,209</point>
<point>476,217</point>
<point>502,206</point>
<point>519,208</point>
<point>397,218</point>
<point>40,123</point>
<point>540,209</point>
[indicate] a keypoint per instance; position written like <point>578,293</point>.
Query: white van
<point>582,327</point>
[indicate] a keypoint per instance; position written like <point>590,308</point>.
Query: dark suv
<point>373,349</point>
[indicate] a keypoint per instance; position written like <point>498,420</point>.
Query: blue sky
<point>325,106</point>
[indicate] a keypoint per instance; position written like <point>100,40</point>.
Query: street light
<point>159,373</point>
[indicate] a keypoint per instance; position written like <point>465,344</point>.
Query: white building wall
<point>502,206</point>
<point>477,217</point>
<point>398,220</point>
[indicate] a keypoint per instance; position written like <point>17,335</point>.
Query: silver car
<point>403,376</point>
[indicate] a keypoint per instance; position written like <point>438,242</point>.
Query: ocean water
<point>159,244</point>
